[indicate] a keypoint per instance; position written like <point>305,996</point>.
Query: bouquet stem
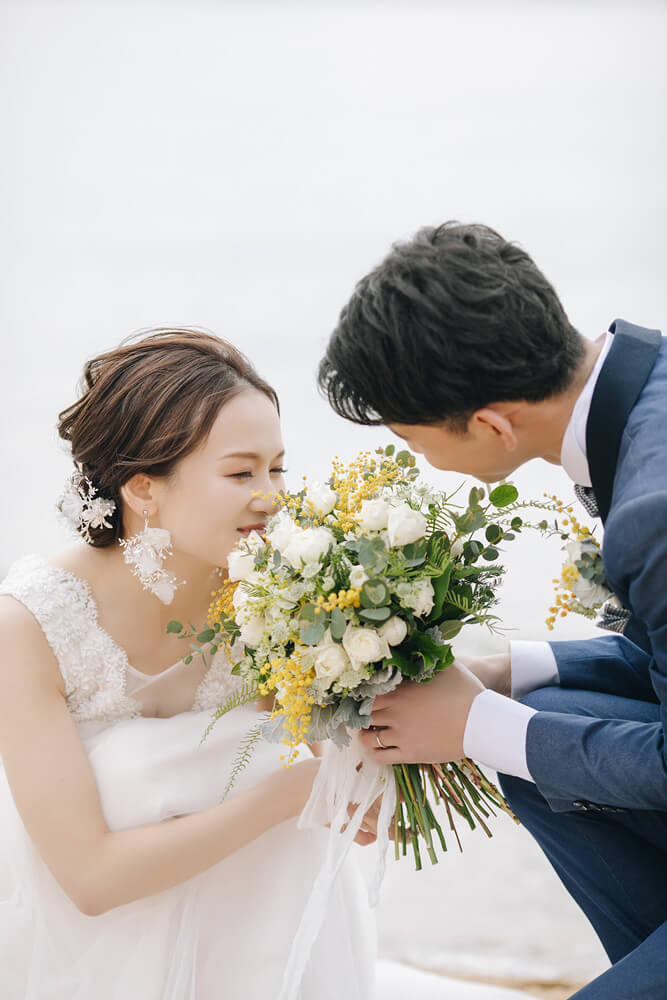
<point>460,786</point>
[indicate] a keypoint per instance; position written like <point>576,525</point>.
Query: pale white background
<point>240,166</point>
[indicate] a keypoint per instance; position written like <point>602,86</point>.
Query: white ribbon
<point>348,775</point>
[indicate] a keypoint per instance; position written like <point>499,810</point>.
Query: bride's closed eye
<point>249,475</point>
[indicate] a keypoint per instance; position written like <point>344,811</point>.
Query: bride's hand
<point>493,671</point>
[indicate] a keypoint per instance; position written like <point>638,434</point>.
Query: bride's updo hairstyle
<point>146,405</point>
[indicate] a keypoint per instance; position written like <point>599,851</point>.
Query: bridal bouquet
<point>356,585</point>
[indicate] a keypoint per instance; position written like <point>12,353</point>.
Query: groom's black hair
<point>449,322</point>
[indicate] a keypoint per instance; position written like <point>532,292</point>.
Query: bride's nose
<point>262,501</point>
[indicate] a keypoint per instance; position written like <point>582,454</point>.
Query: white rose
<point>329,659</point>
<point>373,515</point>
<point>574,550</point>
<point>253,630</point>
<point>394,631</point>
<point>282,527</point>
<point>358,577</point>
<point>457,548</point>
<point>364,645</point>
<point>590,594</point>
<point>308,546</point>
<point>322,498</point>
<point>240,564</point>
<point>405,525</point>
<point>417,595</point>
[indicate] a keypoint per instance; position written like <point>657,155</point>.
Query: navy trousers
<point>613,864</point>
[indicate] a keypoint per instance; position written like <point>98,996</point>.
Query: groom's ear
<point>496,420</point>
<point>138,492</point>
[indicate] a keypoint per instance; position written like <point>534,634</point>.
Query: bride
<point>122,871</point>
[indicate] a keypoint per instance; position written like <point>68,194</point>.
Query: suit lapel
<point>627,367</point>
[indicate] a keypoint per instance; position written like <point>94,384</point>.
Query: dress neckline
<point>95,618</point>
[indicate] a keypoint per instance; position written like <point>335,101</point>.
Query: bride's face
<point>212,500</point>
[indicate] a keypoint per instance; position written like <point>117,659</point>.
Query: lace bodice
<point>99,681</point>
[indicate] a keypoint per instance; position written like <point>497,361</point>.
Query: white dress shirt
<point>495,733</point>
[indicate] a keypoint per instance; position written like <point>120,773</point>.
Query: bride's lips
<point>251,527</point>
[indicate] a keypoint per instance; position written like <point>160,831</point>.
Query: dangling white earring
<point>145,553</point>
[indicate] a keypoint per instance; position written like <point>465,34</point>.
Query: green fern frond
<point>243,755</point>
<point>249,692</point>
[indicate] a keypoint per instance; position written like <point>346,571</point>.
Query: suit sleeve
<point>609,663</point>
<point>614,762</point>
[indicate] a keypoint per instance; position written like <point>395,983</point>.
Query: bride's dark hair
<point>148,403</point>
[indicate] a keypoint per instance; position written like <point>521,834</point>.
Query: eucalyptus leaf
<point>338,624</point>
<point>503,495</point>
<point>175,627</point>
<point>493,533</point>
<point>490,554</point>
<point>374,593</point>
<point>312,634</point>
<point>206,635</point>
<point>375,614</point>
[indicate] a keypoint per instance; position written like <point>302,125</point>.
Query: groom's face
<point>479,451</point>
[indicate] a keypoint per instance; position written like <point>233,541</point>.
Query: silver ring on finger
<point>379,742</point>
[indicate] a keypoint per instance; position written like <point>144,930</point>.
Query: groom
<point>460,345</point>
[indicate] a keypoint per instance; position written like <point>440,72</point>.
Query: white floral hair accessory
<point>82,508</point>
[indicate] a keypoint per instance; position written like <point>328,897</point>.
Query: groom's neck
<point>553,415</point>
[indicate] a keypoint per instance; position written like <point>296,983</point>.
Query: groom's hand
<point>493,671</point>
<point>423,723</point>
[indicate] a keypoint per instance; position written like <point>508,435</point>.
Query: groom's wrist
<point>532,665</point>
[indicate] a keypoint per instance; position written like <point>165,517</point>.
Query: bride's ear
<point>138,494</point>
<point>497,421</point>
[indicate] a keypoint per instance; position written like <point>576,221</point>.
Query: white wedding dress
<point>225,933</point>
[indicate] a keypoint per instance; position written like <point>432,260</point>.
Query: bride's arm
<point>56,795</point>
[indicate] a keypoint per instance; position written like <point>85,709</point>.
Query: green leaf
<point>476,494</point>
<point>206,635</point>
<point>312,634</point>
<point>494,533</point>
<point>504,495</point>
<point>472,550</point>
<point>372,554</point>
<point>517,523</point>
<point>450,629</point>
<point>175,626</point>
<point>440,587</point>
<point>415,553</point>
<point>543,526</point>
<point>471,521</point>
<point>188,659</point>
<point>404,459</point>
<point>307,613</point>
<point>375,614</point>
<point>338,624</point>
<point>374,593</point>
<point>277,558</point>
<point>490,554</point>
<point>389,450</point>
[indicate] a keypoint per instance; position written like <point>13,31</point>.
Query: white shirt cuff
<point>533,665</point>
<point>495,733</point>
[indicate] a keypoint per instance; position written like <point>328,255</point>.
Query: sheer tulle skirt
<point>224,933</point>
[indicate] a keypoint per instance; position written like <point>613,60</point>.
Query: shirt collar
<point>573,455</point>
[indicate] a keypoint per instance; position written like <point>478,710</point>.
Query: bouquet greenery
<point>356,585</point>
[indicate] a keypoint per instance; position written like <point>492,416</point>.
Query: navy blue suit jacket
<point>618,762</point>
